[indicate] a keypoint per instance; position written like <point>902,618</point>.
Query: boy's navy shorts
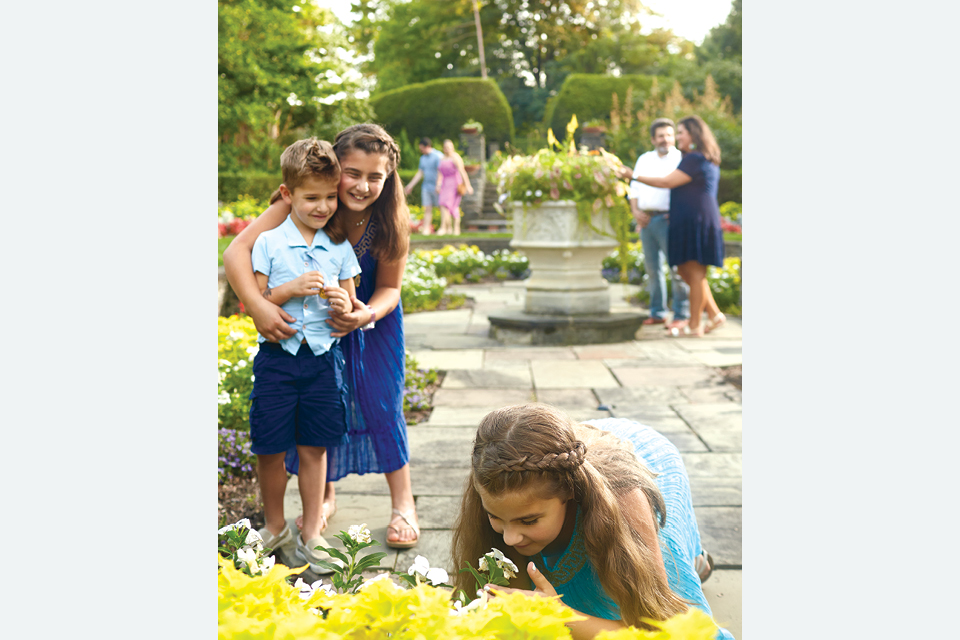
<point>297,400</point>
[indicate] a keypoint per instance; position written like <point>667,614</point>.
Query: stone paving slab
<point>718,359</point>
<point>449,359</point>
<point>603,351</point>
<point>460,416</point>
<point>711,343</point>
<point>580,374</point>
<point>577,398</point>
<point>426,481</point>
<point>449,319</point>
<point>716,492</point>
<point>724,593</point>
<point>721,393</point>
<point>432,447</point>
<point>512,378</point>
<point>663,418</point>
<point>722,465</point>
<point>721,534</point>
<point>719,425</point>
<point>462,340</point>
<point>666,376</point>
<point>482,397</point>
<point>625,398</point>
<point>582,415</point>
<point>531,353</point>
<point>438,512</point>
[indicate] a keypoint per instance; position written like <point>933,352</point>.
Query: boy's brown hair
<point>308,158</point>
<point>312,158</point>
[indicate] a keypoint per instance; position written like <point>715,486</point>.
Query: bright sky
<point>691,19</point>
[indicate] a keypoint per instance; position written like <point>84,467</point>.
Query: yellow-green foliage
<point>267,608</point>
<point>236,348</point>
<point>692,625</point>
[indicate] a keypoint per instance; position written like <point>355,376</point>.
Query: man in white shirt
<point>649,206</point>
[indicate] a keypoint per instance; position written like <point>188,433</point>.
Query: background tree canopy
<point>290,69</point>
<point>281,73</point>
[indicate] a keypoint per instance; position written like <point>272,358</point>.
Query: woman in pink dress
<point>450,175</point>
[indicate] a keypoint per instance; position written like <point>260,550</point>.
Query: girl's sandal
<point>405,544</point>
<point>718,321</point>
<point>703,563</point>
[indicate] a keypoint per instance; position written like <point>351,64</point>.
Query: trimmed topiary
<point>438,108</point>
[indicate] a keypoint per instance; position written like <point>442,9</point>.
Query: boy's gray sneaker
<point>310,555</point>
<point>276,541</point>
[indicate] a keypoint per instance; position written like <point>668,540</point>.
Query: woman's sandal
<point>684,332</point>
<point>405,544</point>
<point>718,321</point>
<point>703,563</point>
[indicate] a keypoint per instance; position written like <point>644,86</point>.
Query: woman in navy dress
<point>695,238</point>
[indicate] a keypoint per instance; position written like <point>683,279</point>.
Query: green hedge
<point>437,109</point>
<point>230,186</point>
<point>590,96</point>
<point>730,188</point>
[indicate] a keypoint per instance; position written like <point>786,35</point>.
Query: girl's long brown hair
<point>537,445</point>
<point>702,137</point>
<point>392,239</point>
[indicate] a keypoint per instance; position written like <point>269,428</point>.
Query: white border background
<point>109,168</point>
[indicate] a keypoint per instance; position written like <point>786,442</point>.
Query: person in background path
<point>650,208</point>
<point>429,198</point>
<point>452,174</point>
<point>695,236</point>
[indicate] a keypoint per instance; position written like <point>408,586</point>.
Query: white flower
<point>481,602</point>
<point>435,575</point>
<point>236,335</point>
<point>528,193</point>
<point>241,363</point>
<point>244,522</point>
<point>223,398</point>
<point>379,576</point>
<point>359,533</point>
<point>506,564</point>
<point>254,540</point>
<point>249,558</point>
<point>267,563</point>
<point>538,193</point>
<point>253,351</point>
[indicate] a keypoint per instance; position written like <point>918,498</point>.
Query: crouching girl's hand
<point>542,586</point>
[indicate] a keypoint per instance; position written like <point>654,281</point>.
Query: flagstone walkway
<point>669,384</point>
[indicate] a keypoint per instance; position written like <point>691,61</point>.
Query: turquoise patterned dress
<point>571,573</point>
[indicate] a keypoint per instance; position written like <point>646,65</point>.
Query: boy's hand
<point>309,284</point>
<point>339,299</point>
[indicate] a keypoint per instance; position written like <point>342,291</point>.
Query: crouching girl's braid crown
<point>520,444</point>
<point>567,461</point>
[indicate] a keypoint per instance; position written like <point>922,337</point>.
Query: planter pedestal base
<point>520,328</point>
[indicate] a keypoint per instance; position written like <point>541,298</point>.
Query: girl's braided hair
<point>537,447</point>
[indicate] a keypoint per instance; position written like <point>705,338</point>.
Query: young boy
<point>298,394</point>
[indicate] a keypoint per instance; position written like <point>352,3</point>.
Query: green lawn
<point>223,243</point>
<point>732,237</point>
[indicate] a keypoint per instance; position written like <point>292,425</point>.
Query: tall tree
<point>280,77</point>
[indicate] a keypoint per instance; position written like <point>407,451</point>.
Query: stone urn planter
<point>565,256</point>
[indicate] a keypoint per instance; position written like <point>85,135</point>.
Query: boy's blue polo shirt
<point>282,255</point>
